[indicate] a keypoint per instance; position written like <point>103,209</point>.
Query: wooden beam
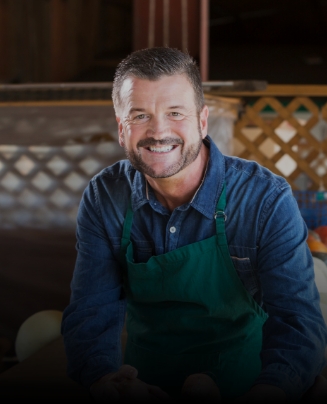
<point>281,90</point>
<point>65,103</point>
<point>204,39</point>
<point>4,41</point>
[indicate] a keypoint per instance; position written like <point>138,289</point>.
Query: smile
<point>161,149</point>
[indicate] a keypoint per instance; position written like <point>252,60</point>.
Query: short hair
<point>152,64</point>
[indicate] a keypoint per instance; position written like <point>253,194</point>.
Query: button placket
<point>173,229</point>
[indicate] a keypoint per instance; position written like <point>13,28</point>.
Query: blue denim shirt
<point>267,243</point>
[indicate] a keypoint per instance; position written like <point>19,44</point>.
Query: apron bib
<point>188,312</point>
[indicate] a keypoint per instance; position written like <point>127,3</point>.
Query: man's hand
<point>262,393</point>
<point>124,386</point>
<point>200,388</point>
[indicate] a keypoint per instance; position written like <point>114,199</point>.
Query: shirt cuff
<point>284,377</point>
<point>96,368</point>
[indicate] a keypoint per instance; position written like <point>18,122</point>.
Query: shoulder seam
<point>281,183</point>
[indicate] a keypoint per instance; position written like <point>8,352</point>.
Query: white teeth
<point>163,149</point>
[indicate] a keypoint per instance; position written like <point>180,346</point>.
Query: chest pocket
<point>143,250</point>
<point>248,276</point>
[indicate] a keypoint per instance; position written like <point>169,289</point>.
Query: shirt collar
<point>138,191</point>
<point>207,195</point>
<point>206,199</point>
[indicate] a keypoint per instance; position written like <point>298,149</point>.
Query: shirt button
<point>172,229</point>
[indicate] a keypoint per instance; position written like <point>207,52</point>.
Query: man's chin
<point>156,169</point>
<point>152,173</point>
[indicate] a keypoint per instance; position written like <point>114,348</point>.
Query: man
<point>205,253</point>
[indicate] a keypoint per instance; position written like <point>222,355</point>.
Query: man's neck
<point>179,189</point>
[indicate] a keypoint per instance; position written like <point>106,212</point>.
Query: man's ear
<point>120,132</point>
<point>204,121</point>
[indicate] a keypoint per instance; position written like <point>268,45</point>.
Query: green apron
<point>188,312</point>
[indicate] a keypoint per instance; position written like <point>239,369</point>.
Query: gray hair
<point>152,64</point>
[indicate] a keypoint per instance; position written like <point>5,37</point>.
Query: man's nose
<point>158,126</point>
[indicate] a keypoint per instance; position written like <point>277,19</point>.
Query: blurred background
<point>263,66</point>
<point>83,40</point>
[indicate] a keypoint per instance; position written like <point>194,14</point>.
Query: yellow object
<point>316,245</point>
<point>37,331</point>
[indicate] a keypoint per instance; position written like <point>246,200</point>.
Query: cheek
<point>132,133</point>
<point>186,128</point>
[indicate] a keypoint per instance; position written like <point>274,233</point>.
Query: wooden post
<point>88,33</point>
<point>58,40</point>
<point>4,41</point>
<point>204,40</point>
<point>73,37</point>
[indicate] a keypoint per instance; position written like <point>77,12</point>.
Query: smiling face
<point>159,126</point>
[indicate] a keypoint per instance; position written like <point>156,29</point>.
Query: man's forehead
<point>131,83</point>
<point>176,85</point>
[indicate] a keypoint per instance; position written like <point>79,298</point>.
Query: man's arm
<point>93,320</point>
<point>294,336</point>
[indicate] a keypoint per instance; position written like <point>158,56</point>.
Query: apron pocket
<point>169,371</point>
<point>233,371</point>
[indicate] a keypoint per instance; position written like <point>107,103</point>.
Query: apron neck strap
<point>128,222</point>
<point>220,218</point>
<point>125,240</point>
<point>220,215</point>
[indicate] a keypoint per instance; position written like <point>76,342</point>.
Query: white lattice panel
<point>41,186</point>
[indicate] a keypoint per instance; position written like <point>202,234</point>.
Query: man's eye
<point>176,115</point>
<point>142,116</point>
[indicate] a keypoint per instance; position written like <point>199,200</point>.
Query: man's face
<point>159,126</point>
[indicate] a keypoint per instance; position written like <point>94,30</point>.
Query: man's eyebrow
<point>136,110</point>
<point>176,107</point>
<point>143,110</point>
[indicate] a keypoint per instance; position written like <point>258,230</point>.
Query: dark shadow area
<point>280,42</point>
<point>36,270</point>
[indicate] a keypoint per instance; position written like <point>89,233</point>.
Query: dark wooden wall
<point>176,23</point>
<point>56,40</point>
<point>73,36</point>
